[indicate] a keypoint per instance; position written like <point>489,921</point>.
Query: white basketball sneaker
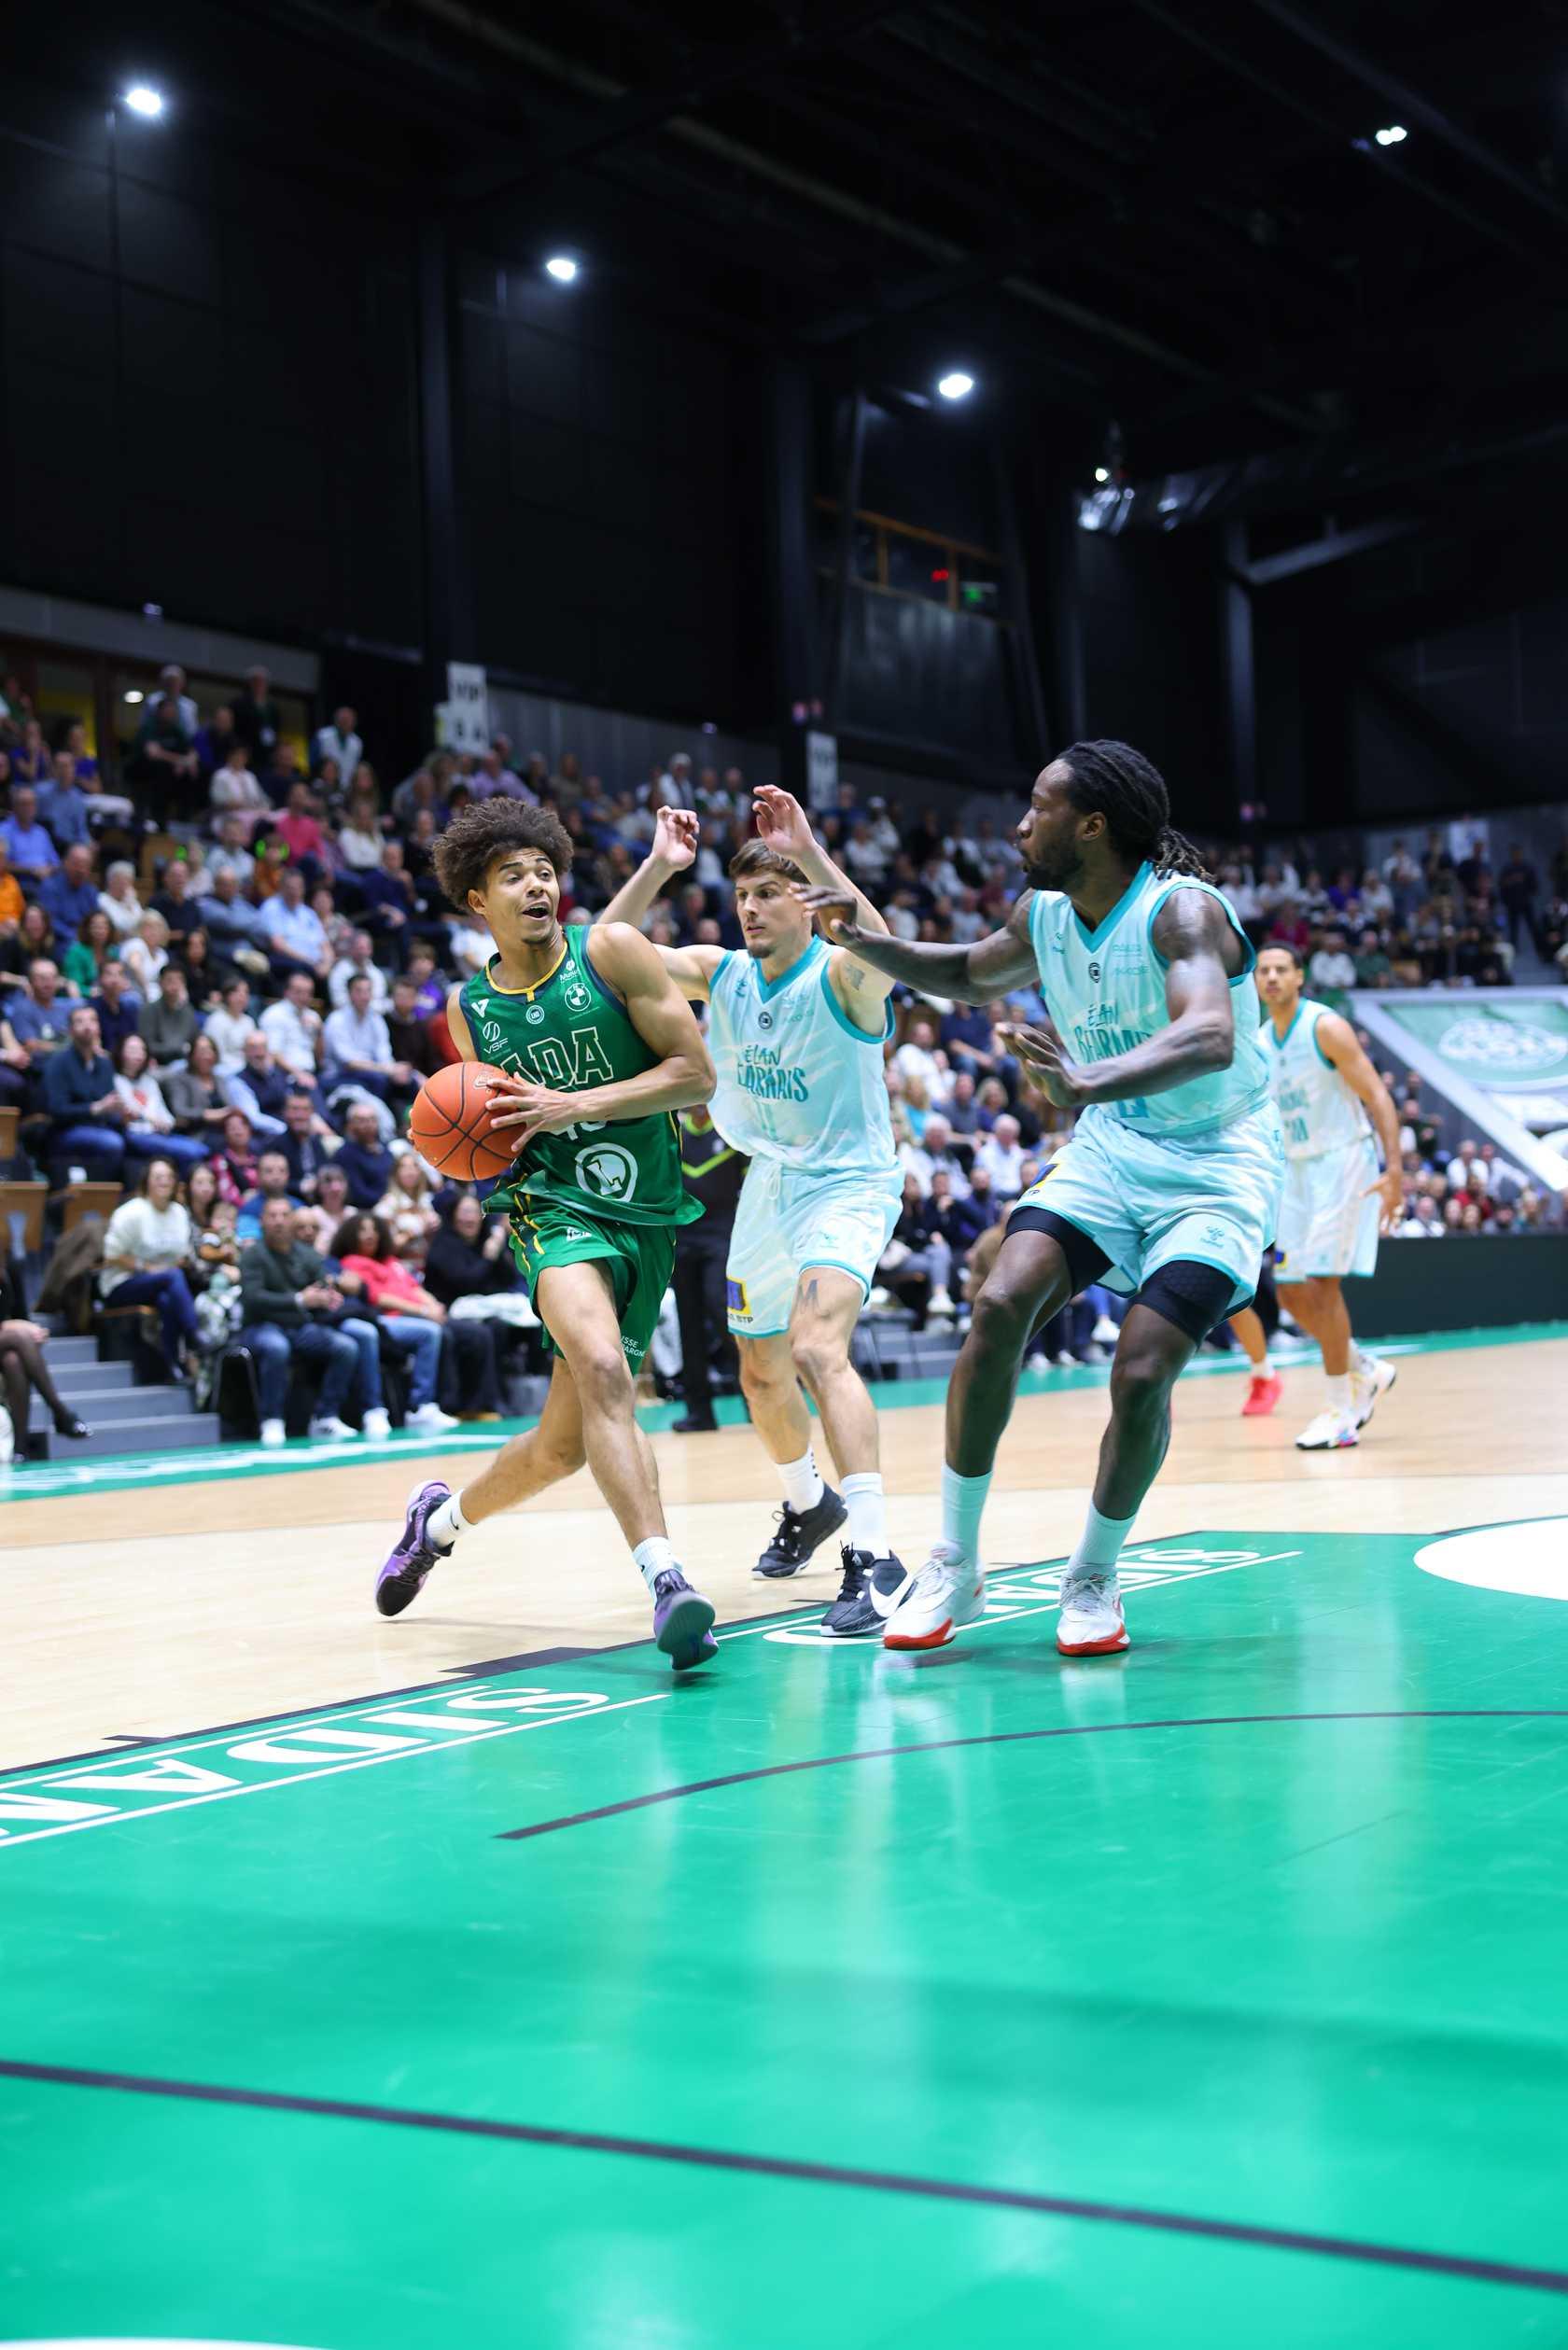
<point>1370,1380</point>
<point>1331,1432</point>
<point>1091,1623</point>
<point>948,1591</point>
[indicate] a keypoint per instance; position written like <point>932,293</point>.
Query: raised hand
<point>835,910</point>
<point>1047,1059</point>
<point>783,823</point>
<point>676,833</point>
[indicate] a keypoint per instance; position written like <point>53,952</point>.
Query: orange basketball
<point>450,1123</point>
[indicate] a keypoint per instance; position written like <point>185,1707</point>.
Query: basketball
<point>450,1123</point>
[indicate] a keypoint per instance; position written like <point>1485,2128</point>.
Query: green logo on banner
<point>1500,1044</point>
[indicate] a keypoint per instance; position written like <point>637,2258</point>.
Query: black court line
<point>814,2173</point>
<point>1018,1738</point>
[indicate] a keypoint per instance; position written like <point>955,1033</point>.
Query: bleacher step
<point>100,1405</point>
<point>193,1432</point>
<point>76,1378</point>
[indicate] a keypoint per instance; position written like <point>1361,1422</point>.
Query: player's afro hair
<point>490,829</point>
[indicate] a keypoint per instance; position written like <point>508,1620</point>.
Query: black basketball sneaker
<point>799,1533</point>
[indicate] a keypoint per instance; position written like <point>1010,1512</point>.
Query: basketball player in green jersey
<point>599,1049</point>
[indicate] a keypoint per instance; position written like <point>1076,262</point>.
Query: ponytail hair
<point>1114,780</point>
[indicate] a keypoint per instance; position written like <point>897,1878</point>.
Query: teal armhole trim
<point>1185,881</point>
<point>1317,1046</point>
<point>861,1036</point>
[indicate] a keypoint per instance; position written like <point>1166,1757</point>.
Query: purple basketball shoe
<point>681,1618</point>
<point>402,1578</point>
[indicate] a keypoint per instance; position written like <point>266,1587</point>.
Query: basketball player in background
<point>1331,1102</point>
<point>1168,1187</point>
<point>796,1029</point>
<point>600,1050</point>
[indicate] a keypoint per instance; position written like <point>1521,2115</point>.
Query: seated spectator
<point>917,1264</point>
<point>407,1206</point>
<point>1001,1158</point>
<point>256,721</point>
<point>11,899</point>
<point>235,793</point>
<point>278,774</point>
<point>232,852</point>
<point>38,1016</point>
<point>1332,970</point>
<point>23,1369</point>
<point>117,1008</point>
<point>960,1217</point>
<point>358,963</point>
<point>412,1318</point>
<point>16,1066</point>
<point>148,1251</point>
<point>340,741</point>
<point>89,774</point>
<point>146,956</point>
<point>359,836</point>
<point>234,925</point>
<point>387,896</point>
<point>87,1117</point>
<point>234,1162</point>
<point>149,1124</point>
<point>195,1093</point>
<point>69,895</point>
<point>291,1312</point>
<point>409,1031</point>
<point>31,940</point>
<point>292,1027</point>
<point>261,1086</point>
<point>365,1161</point>
<point>63,807</point>
<point>167,1021</point>
<point>32,853</point>
<point>357,1049</point>
<point>89,951</point>
<point>424,975</point>
<point>118,899</point>
<point>214,741</point>
<point>1373,968</point>
<point>300,830</point>
<point>307,1142</point>
<point>171,688</point>
<point>326,1211</point>
<point>296,941</point>
<point>230,1027</point>
<point>916,1056</point>
<point>174,898</point>
<point>30,756</point>
<point>272,1182</point>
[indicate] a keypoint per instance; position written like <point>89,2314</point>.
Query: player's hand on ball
<point>1046,1059</point>
<point>518,1106</point>
<point>834,909</point>
<point>676,833</point>
<point>1389,1185</point>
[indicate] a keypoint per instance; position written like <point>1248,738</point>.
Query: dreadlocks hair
<point>756,857</point>
<point>490,829</point>
<point>1114,780</point>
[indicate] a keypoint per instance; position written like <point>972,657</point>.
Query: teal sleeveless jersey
<point>1105,991</point>
<point>798,1082</point>
<point>572,1032</point>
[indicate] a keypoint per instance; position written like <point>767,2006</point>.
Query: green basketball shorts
<point>639,1257</point>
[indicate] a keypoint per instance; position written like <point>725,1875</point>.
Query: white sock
<point>963,1505</point>
<point>1339,1393</point>
<point>868,1512</point>
<point>445,1524</point>
<point>1099,1545</point>
<point>653,1558</point>
<point>1262,1368</point>
<point>1361,1361</point>
<point>803,1482</point>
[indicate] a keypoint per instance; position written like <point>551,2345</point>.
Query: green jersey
<point>571,1033</point>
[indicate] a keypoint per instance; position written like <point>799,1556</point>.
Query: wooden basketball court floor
<point>828,1996</point>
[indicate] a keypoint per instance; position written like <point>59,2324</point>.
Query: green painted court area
<point>828,1997</point>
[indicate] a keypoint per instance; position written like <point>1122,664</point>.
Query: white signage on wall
<point>465,715</point>
<point>821,770</point>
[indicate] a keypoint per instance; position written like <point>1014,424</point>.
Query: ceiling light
<point>1393,135</point>
<point>145,100</point>
<point>956,386</point>
<point>1100,474</point>
<point>561,268</point>
<point>136,694</point>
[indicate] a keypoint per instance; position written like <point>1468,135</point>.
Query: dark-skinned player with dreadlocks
<point>1168,1187</point>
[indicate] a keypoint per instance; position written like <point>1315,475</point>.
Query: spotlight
<point>1100,474</point>
<point>956,386</point>
<point>136,694</point>
<point>561,268</point>
<point>1394,135</point>
<point>145,100</point>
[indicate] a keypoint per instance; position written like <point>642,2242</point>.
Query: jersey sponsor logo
<point>735,1299</point>
<point>765,1019</point>
<point>607,1171</point>
<point>576,993</point>
<point>535,1014</point>
<point>759,1071</point>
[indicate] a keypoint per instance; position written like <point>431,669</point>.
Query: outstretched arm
<point>675,847</point>
<point>1343,1047</point>
<point>1203,956</point>
<point>970,975</point>
<point>863,991</point>
<point>660,1015</point>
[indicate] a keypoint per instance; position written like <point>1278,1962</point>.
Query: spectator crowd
<point>223,975</point>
